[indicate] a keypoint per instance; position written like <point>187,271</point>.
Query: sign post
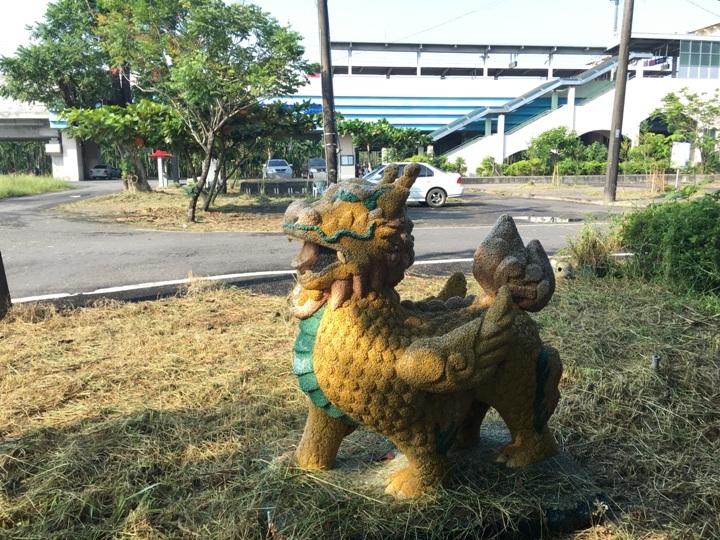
<point>679,158</point>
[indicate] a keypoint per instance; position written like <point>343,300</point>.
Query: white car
<point>433,186</point>
<point>277,168</point>
<point>104,171</point>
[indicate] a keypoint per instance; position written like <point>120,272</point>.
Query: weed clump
<point>676,243</point>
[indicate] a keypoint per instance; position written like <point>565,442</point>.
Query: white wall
<point>642,97</point>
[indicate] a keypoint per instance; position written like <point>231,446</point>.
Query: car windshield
<point>316,162</point>
<point>375,173</point>
<point>277,163</point>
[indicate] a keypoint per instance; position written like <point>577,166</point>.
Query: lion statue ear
<point>409,176</point>
<point>394,200</point>
<point>390,174</point>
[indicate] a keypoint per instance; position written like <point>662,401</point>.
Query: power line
<point>703,8</point>
<point>491,5</point>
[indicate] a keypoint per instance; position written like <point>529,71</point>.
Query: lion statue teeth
<point>423,374</point>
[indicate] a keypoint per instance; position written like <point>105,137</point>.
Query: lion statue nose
<point>301,213</point>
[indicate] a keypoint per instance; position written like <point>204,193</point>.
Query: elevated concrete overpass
<point>25,122</point>
<point>20,121</point>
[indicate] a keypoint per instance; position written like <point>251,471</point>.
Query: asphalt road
<point>45,255</point>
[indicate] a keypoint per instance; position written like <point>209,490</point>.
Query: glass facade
<point>699,60</point>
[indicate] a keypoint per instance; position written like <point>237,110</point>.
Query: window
<point>424,171</point>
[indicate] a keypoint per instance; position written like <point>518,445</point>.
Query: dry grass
<point>166,209</point>
<point>161,419</point>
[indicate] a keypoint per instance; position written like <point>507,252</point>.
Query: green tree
<point>401,143</point>
<point>406,141</point>
<point>259,126</point>
<point>487,167</point>
<point>693,118</point>
<point>64,65</point>
<point>367,135</point>
<point>651,153</point>
<point>594,159</point>
<point>207,60</point>
<point>553,147</point>
<point>128,129</point>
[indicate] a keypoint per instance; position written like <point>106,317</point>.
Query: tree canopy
<point>64,66</point>
<point>693,118</point>
<point>207,60</point>
<point>402,142</point>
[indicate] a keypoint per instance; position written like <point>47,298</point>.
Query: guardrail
<point>589,179</point>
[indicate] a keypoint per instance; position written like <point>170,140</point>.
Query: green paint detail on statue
<point>371,202</point>
<point>335,237</point>
<point>444,438</point>
<point>304,371</point>
<point>542,373</point>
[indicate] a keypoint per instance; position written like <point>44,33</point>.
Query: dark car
<point>313,166</point>
<point>104,171</point>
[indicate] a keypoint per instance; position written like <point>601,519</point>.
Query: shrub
<point>594,248</point>
<point>568,167</point>
<point>594,167</point>
<point>487,167</point>
<point>459,166</point>
<point>678,243</point>
<point>519,168</point>
<point>633,167</point>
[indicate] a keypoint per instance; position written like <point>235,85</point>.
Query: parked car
<point>432,187</point>
<point>277,168</point>
<point>104,171</point>
<point>313,166</point>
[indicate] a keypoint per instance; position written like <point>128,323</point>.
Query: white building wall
<point>68,165</point>
<point>642,97</point>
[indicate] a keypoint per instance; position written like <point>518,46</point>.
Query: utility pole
<point>618,105</point>
<point>328,97</point>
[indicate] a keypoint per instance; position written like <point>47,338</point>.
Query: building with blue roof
<point>487,99</point>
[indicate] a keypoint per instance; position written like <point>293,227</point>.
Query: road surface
<point>46,255</point>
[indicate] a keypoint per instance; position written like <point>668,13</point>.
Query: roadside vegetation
<point>24,184</point>
<point>26,157</point>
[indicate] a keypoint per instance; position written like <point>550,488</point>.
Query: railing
<point>529,96</point>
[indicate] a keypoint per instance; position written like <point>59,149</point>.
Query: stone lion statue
<point>423,374</point>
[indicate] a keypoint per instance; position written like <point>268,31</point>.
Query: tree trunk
<point>134,184</point>
<point>200,186</point>
<point>211,193</point>
<point>137,182</point>
<point>215,185</point>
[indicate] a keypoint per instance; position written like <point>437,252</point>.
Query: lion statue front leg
<point>321,440</point>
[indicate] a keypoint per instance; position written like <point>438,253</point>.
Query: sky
<point>534,22</point>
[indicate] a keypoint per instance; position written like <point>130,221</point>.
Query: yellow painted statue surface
<point>423,374</point>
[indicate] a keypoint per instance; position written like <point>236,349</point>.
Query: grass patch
<point>166,209</point>
<point>625,195</point>
<point>26,184</point>
<point>162,419</point>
